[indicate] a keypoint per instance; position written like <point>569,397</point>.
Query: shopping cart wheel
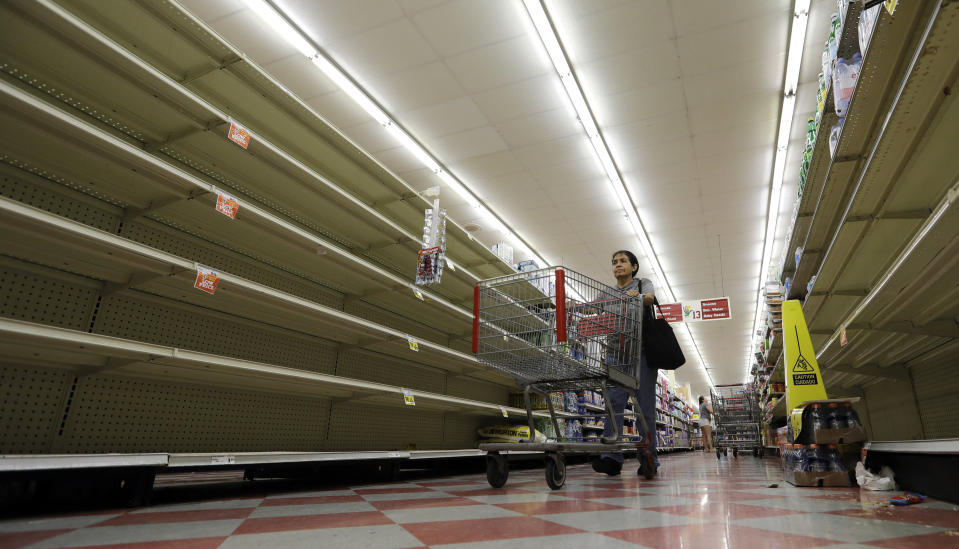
<point>497,469</point>
<point>555,470</point>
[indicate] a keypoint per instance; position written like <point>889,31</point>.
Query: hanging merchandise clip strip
<point>414,345</point>
<point>239,135</point>
<point>408,397</point>
<point>206,279</point>
<point>227,205</point>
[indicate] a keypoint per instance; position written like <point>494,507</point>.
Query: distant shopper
<point>706,423</point>
<point>625,267</point>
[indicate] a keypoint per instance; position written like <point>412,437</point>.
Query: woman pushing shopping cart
<point>557,330</point>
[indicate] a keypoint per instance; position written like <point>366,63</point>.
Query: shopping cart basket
<point>557,330</point>
<point>737,420</point>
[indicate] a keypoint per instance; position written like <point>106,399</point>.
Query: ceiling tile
<point>382,51</point>
<point>628,26</point>
<point>444,118</point>
<point>461,25</point>
<point>566,148</point>
<point>244,31</point>
<point>691,17</point>
<point>488,165</point>
<point>539,94</point>
<point>467,144</point>
<point>758,76</point>
<point>646,102</point>
<point>499,64</point>
<point>416,87</point>
<point>539,127</point>
<point>734,44</point>
<point>411,7</point>
<point>328,20</point>
<point>634,69</point>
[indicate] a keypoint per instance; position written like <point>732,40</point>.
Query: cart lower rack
<point>557,330</point>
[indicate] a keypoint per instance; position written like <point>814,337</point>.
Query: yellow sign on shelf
<point>803,378</point>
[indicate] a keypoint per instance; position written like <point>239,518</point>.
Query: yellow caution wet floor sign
<point>803,378</point>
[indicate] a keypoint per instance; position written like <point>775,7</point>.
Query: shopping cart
<point>736,409</point>
<point>557,330</point>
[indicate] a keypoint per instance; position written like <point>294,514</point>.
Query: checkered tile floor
<point>697,501</point>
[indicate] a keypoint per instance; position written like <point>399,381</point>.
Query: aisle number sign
<point>408,398</point>
<point>206,279</point>
<point>227,205</point>
<point>803,378</point>
<point>716,308</point>
<point>239,135</point>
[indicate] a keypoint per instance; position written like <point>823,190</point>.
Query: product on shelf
<point>867,22</point>
<point>834,134</point>
<point>844,82</point>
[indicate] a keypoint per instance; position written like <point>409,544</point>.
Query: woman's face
<point>621,266</point>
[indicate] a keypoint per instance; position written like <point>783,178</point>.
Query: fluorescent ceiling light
<point>550,40</point>
<point>282,26</point>
<point>797,41</point>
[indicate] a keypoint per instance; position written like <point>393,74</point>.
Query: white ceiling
<point>687,94</point>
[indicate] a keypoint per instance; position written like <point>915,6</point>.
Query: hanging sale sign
<point>227,205</point>
<point>239,135</point>
<point>206,279</point>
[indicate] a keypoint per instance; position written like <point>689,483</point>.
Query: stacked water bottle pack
<point>825,450</point>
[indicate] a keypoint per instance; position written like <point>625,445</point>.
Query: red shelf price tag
<point>206,280</point>
<point>227,205</point>
<point>239,135</point>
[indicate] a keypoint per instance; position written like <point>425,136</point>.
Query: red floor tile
<point>913,514</point>
<point>274,502</point>
<point>715,535</point>
<point>554,507</point>
<point>454,483</point>
<point>949,538</point>
<point>410,490</point>
<point>161,517</point>
<point>195,543</point>
<point>601,493</point>
<point>422,503</point>
<point>15,540</point>
<point>310,522</point>
<point>463,531</point>
<point>728,511</point>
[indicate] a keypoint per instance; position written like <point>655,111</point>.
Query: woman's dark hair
<point>632,259</point>
<point>702,399</point>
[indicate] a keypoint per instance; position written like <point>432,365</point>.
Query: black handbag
<point>662,348</point>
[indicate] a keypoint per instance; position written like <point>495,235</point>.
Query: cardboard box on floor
<point>850,455</point>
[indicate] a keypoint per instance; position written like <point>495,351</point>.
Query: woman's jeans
<point>647,405</point>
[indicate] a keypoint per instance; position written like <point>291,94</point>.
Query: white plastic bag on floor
<point>884,481</point>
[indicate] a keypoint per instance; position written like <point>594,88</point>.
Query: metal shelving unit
<point>114,150</point>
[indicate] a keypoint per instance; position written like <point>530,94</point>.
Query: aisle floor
<point>697,501</point>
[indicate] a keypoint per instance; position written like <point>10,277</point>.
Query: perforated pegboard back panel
<point>396,321</point>
<point>892,410</point>
<point>31,404</point>
<point>53,196</point>
<point>937,385</point>
<point>117,414</point>
<point>39,294</point>
<point>460,429</point>
<point>370,366</point>
<point>138,316</point>
<point>246,265</point>
<point>359,426</point>
<point>471,388</point>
